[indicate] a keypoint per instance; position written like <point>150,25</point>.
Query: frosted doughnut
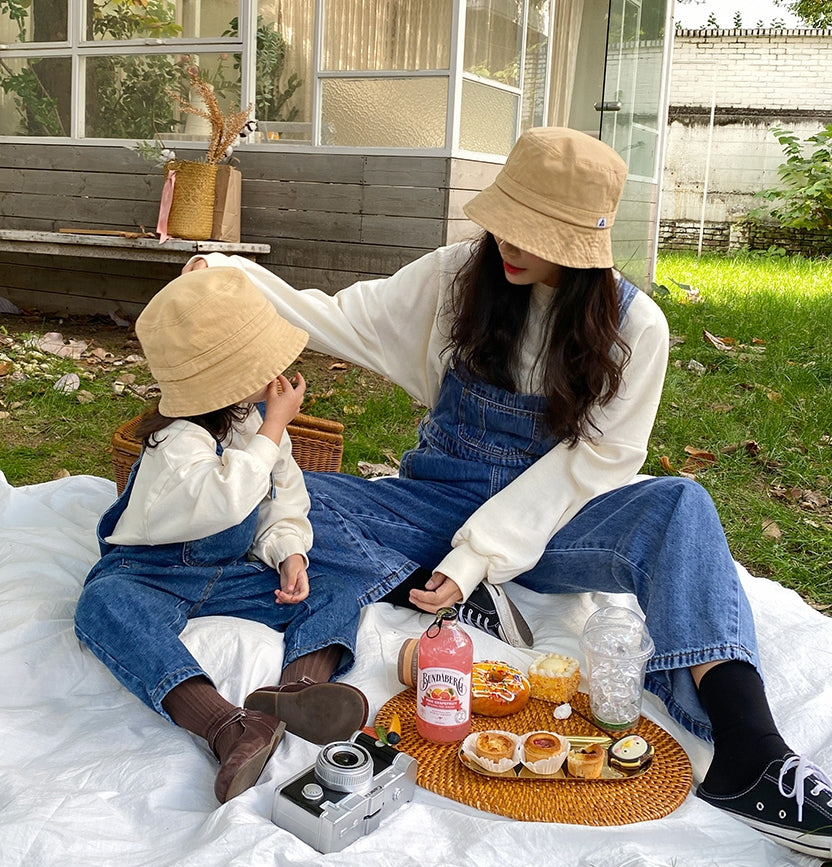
<point>497,689</point>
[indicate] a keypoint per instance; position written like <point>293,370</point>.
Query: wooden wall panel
<point>330,219</point>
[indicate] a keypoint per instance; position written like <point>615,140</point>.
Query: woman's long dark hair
<point>579,369</point>
<point>218,423</point>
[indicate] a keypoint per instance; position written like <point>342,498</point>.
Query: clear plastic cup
<point>617,645</point>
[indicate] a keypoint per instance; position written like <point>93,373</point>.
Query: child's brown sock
<point>195,705</point>
<point>318,666</point>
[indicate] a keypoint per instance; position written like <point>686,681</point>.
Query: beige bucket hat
<point>555,197</point>
<point>212,339</point>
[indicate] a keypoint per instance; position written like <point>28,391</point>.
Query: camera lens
<point>344,759</point>
<point>344,767</point>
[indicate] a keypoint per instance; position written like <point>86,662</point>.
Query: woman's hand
<point>194,265</point>
<point>294,582</point>
<point>440,592</point>
<point>282,405</point>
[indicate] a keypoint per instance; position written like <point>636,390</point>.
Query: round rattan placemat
<point>652,795</point>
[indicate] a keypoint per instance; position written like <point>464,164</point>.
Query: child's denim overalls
<point>660,539</point>
<point>138,598</point>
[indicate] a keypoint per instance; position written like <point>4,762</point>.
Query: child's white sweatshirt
<point>184,491</point>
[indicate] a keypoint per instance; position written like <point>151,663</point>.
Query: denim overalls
<point>138,598</point>
<point>660,539</point>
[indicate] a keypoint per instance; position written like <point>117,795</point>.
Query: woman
<point>543,374</point>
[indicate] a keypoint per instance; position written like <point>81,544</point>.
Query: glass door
<point>633,118</point>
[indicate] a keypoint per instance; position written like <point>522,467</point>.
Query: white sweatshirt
<point>397,326</point>
<point>184,491</point>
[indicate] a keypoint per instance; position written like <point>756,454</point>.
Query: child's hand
<point>294,582</point>
<point>281,406</point>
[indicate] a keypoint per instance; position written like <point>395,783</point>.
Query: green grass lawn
<point>762,405</point>
<point>756,395</point>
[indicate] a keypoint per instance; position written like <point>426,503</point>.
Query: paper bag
<point>227,200</point>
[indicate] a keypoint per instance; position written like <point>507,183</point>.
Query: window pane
<point>385,112</point>
<point>387,34</point>
<point>127,98</point>
<point>493,37</point>
<point>285,77</point>
<point>35,96</point>
<point>33,21</point>
<point>535,70</point>
<point>128,19</point>
<point>488,118</point>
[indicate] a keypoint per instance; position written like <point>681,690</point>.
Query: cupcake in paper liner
<point>543,752</point>
<point>496,751</point>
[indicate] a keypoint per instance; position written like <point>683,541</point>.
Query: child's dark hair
<point>578,367</point>
<point>218,423</point>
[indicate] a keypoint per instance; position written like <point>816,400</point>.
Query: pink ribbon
<point>164,206</point>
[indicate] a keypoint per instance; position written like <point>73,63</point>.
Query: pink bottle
<point>443,684</point>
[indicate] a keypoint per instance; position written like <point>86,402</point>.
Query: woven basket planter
<point>192,210</point>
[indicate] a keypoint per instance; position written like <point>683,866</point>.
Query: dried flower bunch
<point>225,128</point>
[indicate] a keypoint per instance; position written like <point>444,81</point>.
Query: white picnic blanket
<point>90,776</point>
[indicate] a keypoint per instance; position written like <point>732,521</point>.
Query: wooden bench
<point>89,272</point>
<point>122,246</point>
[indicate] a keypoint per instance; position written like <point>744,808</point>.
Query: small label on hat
<point>602,223</point>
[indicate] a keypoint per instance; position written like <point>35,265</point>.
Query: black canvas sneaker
<point>790,803</point>
<point>488,608</point>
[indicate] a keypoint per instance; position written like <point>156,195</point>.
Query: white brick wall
<point>766,77</point>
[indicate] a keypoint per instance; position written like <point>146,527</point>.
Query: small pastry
<point>497,689</point>
<point>541,745</point>
<point>554,678</point>
<point>586,764</point>
<point>630,752</point>
<point>494,746</point>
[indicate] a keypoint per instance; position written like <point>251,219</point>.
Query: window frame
<point>77,48</point>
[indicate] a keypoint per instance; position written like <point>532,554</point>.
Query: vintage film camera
<point>352,787</point>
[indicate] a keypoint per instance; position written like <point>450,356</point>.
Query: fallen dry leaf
<point>771,530</point>
<point>664,460</point>
<point>84,396</point>
<point>391,456</point>
<point>67,383</point>
<point>53,343</point>
<point>338,365</point>
<point>698,460</point>
<point>724,344</point>
<point>6,367</point>
<point>814,500</point>
<point>369,469</point>
<point>62,474</point>
<point>775,396</point>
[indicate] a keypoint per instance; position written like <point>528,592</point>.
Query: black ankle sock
<point>400,595</point>
<point>746,738</point>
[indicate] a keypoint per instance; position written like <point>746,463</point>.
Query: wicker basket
<point>192,210</point>
<point>317,445</point>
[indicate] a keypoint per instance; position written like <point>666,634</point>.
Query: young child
<point>213,521</point>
